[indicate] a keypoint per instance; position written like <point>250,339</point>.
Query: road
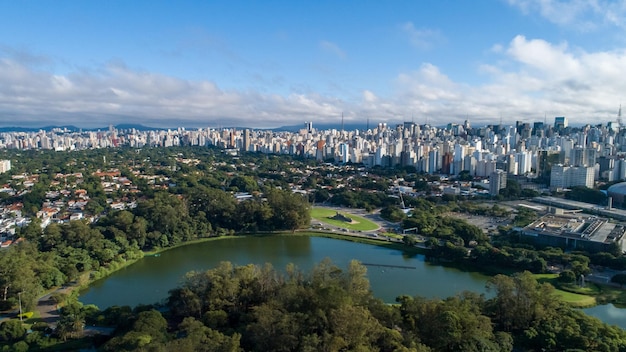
<point>47,307</point>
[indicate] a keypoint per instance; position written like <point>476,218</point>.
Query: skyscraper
<point>560,122</point>
<point>246,140</point>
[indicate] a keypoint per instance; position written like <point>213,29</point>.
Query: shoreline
<point>74,290</point>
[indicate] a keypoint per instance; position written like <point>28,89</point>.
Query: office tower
<point>246,140</point>
<point>446,163</point>
<point>560,122</point>
<point>497,181</point>
<point>538,129</point>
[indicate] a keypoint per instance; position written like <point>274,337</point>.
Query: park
<point>343,220</point>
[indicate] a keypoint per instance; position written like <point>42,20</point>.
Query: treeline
<point>517,256</point>
<point>454,239</point>
<point>587,195</point>
<point>363,199</point>
<point>252,308</point>
<point>62,252</point>
<point>429,220</point>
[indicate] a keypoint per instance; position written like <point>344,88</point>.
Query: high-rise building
<point>497,181</point>
<point>577,157</point>
<point>469,164</point>
<point>246,140</point>
<point>538,129</point>
<point>5,166</point>
<point>571,176</point>
<point>446,163</point>
<point>542,164</point>
<point>560,122</point>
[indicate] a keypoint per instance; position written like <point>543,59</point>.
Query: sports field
<point>358,223</point>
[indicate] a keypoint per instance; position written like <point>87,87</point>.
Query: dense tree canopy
<point>253,308</point>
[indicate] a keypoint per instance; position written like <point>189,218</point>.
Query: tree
<point>567,276</point>
<point>619,279</point>
<point>520,301</point>
<point>409,240</point>
<point>152,323</point>
<point>72,320</point>
<point>12,330</point>
<point>392,213</point>
<point>464,176</point>
<point>198,337</point>
<point>588,195</point>
<point>580,267</point>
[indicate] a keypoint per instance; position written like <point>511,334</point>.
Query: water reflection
<point>149,280</point>
<point>609,314</point>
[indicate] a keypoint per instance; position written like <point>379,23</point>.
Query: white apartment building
<point>571,176</point>
<point>5,166</point>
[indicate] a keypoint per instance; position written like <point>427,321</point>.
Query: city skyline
<point>272,64</point>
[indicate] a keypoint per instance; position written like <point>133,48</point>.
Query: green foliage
<point>12,330</point>
<point>619,279</point>
<point>476,208</point>
<point>409,240</point>
<point>567,276</point>
<point>524,217</point>
<point>361,199</point>
<point>587,195</point>
<point>429,223</point>
<point>464,176</point>
<point>257,308</point>
<point>392,213</point>
<point>253,308</point>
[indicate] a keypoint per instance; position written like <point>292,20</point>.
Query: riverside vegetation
<point>250,308</point>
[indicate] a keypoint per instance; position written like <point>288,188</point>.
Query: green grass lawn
<point>575,296</point>
<point>359,223</point>
<point>576,300</point>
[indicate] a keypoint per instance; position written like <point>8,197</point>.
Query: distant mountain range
<point>138,127</point>
<point>72,128</point>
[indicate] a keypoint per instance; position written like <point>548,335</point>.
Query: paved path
<point>47,307</point>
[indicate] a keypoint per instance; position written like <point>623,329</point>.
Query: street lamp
<point>19,297</point>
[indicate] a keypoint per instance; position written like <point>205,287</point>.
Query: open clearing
<point>358,223</point>
<point>574,299</point>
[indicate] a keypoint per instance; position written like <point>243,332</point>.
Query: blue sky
<point>273,63</point>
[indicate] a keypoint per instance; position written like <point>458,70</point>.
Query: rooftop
<point>582,227</point>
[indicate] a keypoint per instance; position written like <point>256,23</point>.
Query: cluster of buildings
<point>555,154</point>
<point>65,201</point>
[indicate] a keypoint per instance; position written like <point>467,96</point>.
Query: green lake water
<point>150,279</point>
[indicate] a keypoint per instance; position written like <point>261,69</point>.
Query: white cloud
<point>333,49</point>
<point>117,94</point>
<point>532,77</point>
<point>547,78</point>
<point>369,96</point>
<point>583,14</point>
<point>421,38</point>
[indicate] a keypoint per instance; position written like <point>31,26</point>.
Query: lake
<point>150,279</point>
